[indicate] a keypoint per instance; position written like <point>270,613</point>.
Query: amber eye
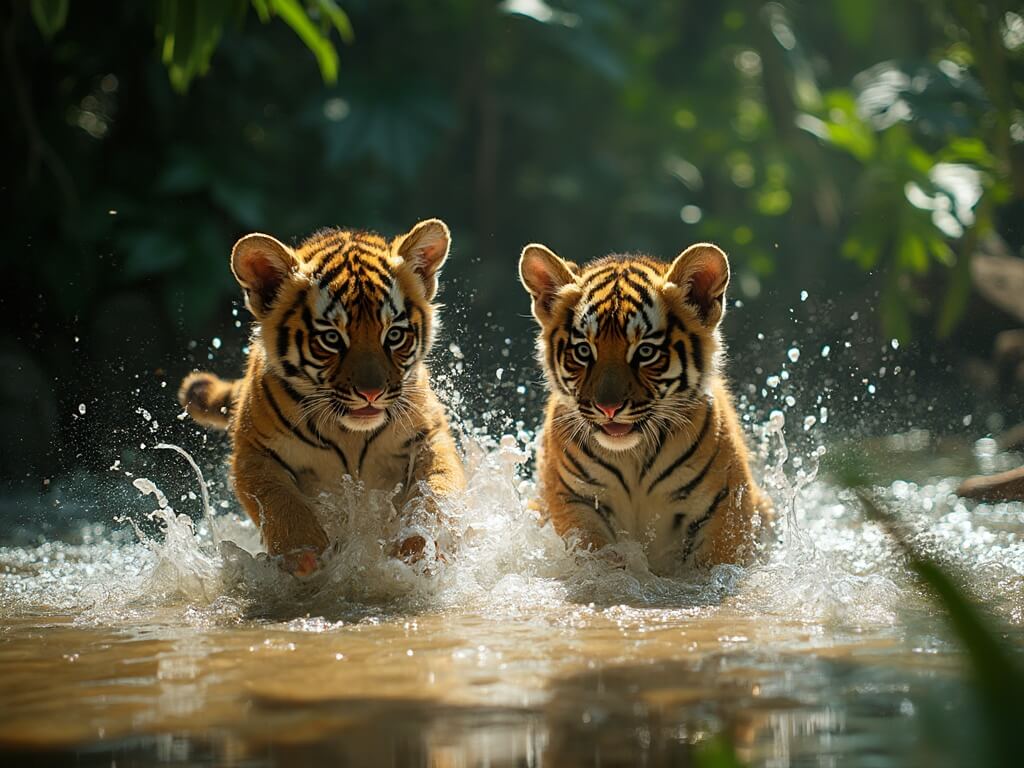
<point>395,335</point>
<point>583,351</point>
<point>646,352</point>
<point>329,339</point>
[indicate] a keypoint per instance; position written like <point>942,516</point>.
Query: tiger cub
<point>336,382</point>
<point>641,438</point>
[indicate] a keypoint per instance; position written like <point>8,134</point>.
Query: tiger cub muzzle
<point>611,399</point>
<point>367,384</point>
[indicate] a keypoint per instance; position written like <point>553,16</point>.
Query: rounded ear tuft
<point>544,274</point>
<point>425,247</point>
<point>702,273</point>
<point>261,263</point>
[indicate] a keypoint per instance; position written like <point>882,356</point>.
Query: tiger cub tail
<point>209,399</point>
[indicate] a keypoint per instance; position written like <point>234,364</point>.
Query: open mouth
<point>367,412</point>
<point>616,429</point>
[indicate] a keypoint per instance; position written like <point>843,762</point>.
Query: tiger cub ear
<point>261,263</point>
<point>425,248</point>
<point>544,274</point>
<point>702,273</point>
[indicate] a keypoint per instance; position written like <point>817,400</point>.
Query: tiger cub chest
<point>663,499</point>
<point>378,461</point>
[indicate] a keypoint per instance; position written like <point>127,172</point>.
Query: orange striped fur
<point>336,382</point>
<point>641,438</point>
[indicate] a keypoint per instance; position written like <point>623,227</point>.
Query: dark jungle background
<point>869,153</point>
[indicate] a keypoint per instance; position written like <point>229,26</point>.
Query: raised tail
<point>209,399</point>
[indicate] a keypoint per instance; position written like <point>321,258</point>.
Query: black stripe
<point>366,447</point>
<point>585,476</point>
<point>371,269</point>
<point>282,328</point>
<point>574,474</point>
<point>326,257</point>
<point>333,446</point>
<point>419,437</point>
<point>592,289</point>
<point>698,353</point>
<point>270,452</point>
<point>680,347</point>
<point>685,490</point>
<point>655,453</point>
<point>687,453</point>
<point>290,370</point>
<point>601,271</point>
<point>289,390</point>
<point>328,277</point>
<point>603,511</point>
<point>694,528</point>
<point>611,469</point>
<point>335,300</point>
<point>285,422</point>
<point>303,360</point>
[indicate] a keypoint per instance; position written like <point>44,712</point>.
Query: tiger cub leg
<point>437,464</point>
<point>287,522</point>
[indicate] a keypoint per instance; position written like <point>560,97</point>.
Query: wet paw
<point>411,549</point>
<point>301,562</point>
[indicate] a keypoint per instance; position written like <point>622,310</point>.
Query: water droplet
<point>456,351</point>
<point>986,447</point>
<point>823,415</point>
<point>790,401</point>
<point>81,408</point>
<point>794,354</point>
<point>777,420</point>
<point>825,350</point>
<point>803,295</point>
<point>772,381</point>
<point>895,343</point>
<point>499,373</point>
<point>216,342</point>
<point>809,421</point>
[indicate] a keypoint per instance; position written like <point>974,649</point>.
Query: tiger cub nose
<point>370,394</point>
<point>610,410</point>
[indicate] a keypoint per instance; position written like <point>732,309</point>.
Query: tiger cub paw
<point>411,549</point>
<point>300,562</point>
<point>415,548</point>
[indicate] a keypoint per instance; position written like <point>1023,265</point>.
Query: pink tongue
<point>617,430</point>
<point>367,411</point>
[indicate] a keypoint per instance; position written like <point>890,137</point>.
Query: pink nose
<point>370,394</point>
<point>610,410</point>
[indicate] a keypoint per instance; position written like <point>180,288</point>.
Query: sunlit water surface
<point>182,644</point>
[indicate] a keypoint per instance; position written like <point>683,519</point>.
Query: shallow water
<point>175,641</point>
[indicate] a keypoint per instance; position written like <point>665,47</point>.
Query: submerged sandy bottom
<point>189,646</point>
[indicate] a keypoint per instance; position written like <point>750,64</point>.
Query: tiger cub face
<point>345,319</point>
<point>629,342</point>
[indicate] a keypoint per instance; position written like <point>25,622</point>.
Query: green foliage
<point>50,16</point>
<point>717,752</point>
<point>189,31</point>
<point>838,147</point>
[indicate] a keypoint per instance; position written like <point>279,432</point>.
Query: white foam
<point>828,564</point>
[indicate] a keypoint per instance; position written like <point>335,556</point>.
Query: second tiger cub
<point>641,438</point>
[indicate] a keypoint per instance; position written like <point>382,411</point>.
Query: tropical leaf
<point>50,16</point>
